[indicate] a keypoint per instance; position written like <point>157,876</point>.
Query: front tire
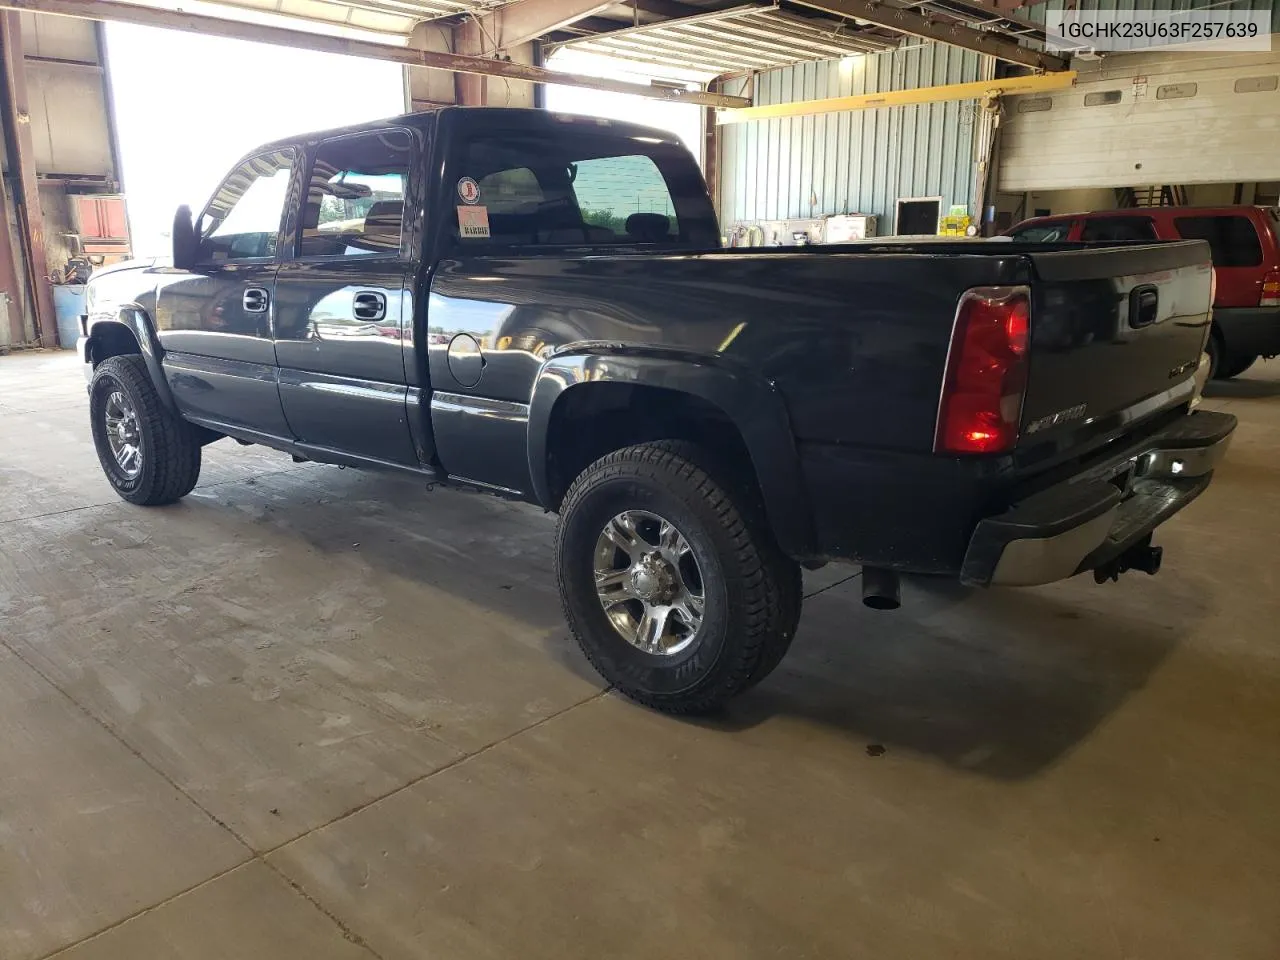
<point>150,456</point>
<point>674,595</point>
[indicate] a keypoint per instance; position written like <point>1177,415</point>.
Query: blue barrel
<point>68,304</point>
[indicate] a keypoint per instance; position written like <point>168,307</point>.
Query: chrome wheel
<point>649,583</point>
<point>123,436</point>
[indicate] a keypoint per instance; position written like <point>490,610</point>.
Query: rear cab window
<point>576,186</point>
<point>1233,241</point>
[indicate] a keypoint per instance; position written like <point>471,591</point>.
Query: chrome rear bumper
<point>1080,525</point>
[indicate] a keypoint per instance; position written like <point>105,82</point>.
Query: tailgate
<point>1116,334</point>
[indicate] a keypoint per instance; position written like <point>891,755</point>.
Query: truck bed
<point>854,338</point>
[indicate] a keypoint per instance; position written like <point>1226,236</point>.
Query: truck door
<point>214,322</point>
<point>344,320</point>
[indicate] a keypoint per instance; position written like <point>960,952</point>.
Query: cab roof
<point>530,118</point>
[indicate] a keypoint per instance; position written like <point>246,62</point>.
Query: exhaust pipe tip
<point>881,588</point>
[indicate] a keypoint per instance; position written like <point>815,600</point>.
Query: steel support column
<point>17,123</point>
<point>711,148</point>
<point>10,287</point>
<point>493,33</point>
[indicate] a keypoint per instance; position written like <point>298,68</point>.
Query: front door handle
<point>370,306</point>
<point>256,300</point>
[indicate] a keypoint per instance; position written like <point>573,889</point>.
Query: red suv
<point>1246,260</point>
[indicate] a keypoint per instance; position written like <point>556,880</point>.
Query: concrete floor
<point>313,713</point>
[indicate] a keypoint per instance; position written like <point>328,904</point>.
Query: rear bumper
<point>1249,331</point>
<point>1084,523</point>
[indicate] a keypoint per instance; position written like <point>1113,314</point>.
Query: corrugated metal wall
<point>859,161</point>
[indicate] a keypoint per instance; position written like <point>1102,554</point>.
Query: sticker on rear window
<point>473,222</point>
<point>468,190</point>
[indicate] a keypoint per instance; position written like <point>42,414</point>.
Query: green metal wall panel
<point>856,161</point>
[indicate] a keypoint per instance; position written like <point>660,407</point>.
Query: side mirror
<point>186,245</point>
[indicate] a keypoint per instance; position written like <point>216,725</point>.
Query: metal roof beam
<point>773,33</point>
<point>668,9</point>
<point>976,90</point>
<point>451,62</point>
<point>709,61</point>
<point>700,16</point>
<point>521,21</point>
<point>735,37</point>
<point>587,26</point>
<point>955,34</point>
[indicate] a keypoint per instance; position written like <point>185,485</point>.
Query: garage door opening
<point>188,106</point>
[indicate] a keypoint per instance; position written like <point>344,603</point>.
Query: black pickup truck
<point>538,306</point>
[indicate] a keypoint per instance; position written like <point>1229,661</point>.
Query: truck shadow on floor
<point>491,553</point>
<point>1000,683</point>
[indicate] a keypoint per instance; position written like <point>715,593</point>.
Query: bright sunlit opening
<point>682,119</point>
<point>188,106</point>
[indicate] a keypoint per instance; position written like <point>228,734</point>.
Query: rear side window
<point>1233,242</point>
<point>578,188</point>
<point>1043,233</point>
<point>355,196</point>
<point>1112,229</point>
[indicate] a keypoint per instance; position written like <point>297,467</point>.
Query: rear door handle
<point>370,306</point>
<point>256,300</point>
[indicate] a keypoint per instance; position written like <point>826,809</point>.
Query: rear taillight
<point>1270,290</point>
<point>986,374</point>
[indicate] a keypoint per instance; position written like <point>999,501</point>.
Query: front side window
<point>1114,229</point>
<point>578,188</point>
<point>355,196</point>
<point>242,221</point>
<point>1233,242</point>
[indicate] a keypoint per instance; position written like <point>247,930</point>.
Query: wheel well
<point>593,420</point>
<point>113,340</point>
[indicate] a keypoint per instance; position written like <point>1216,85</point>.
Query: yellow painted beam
<point>978,90</point>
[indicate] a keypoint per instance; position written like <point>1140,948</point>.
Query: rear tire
<point>747,592</point>
<point>787,585</point>
<point>149,454</point>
